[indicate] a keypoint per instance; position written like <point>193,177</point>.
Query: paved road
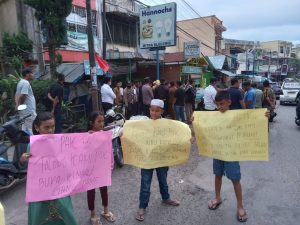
<point>271,189</point>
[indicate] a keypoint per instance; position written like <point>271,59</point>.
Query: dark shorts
<point>230,169</point>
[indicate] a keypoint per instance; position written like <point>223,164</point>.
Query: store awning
<point>227,73</point>
<point>217,61</point>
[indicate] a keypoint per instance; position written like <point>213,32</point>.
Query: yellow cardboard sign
<point>155,143</point>
<point>236,135</point>
<point>2,220</point>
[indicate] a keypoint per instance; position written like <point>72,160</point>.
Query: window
<point>72,27</point>
<point>281,49</point>
<point>80,11</point>
<point>81,29</point>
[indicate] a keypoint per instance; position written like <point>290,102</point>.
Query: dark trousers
<point>91,197</point>
<point>129,111</point>
<point>179,111</point>
<point>146,111</point>
<point>106,106</point>
<point>58,122</point>
<point>146,178</point>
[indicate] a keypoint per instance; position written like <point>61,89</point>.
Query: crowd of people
<point>153,99</point>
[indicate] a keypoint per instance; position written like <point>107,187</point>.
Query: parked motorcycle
<point>11,171</point>
<point>297,118</point>
<point>115,121</point>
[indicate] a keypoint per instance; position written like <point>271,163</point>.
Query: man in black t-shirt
<point>55,95</point>
<point>236,95</point>
<point>178,102</point>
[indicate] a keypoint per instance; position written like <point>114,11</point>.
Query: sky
<point>251,20</point>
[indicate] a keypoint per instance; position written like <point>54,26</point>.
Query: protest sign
<point>66,164</point>
<point>236,135</point>
<point>156,143</point>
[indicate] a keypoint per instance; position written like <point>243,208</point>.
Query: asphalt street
<point>270,189</point>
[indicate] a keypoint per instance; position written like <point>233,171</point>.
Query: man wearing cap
<point>156,111</point>
<point>147,94</point>
<point>24,95</point>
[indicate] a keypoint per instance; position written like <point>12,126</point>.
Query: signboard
<point>87,70</point>
<point>284,69</point>
<point>79,41</point>
<point>158,26</point>
<point>191,49</point>
<point>192,69</point>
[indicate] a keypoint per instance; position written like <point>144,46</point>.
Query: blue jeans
<point>146,179</point>
<point>179,111</point>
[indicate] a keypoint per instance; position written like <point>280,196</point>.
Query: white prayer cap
<point>157,102</point>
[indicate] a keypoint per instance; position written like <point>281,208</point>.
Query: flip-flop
<point>214,205</point>
<point>108,216</point>
<point>242,218</point>
<point>140,216</point>
<point>95,221</point>
<point>171,202</point>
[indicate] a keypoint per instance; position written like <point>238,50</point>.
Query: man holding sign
<point>161,143</point>
<point>228,138</point>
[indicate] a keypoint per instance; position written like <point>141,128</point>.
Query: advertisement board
<point>79,41</point>
<point>191,49</point>
<point>158,26</point>
<point>192,69</point>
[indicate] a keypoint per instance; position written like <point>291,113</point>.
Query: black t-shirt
<point>190,95</point>
<point>179,95</point>
<point>161,92</point>
<point>235,96</point>
<point>57,89</point>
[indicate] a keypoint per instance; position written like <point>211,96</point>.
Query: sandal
<point>96,221</point>
<point>108,216</point>
<point>241,218</point>
<point>171,202</point>
<point>214,204</point>
<point>140,215</point>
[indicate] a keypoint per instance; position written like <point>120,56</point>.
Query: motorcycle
<point>297,118</point>
<point>11,172</point>
<point>115,121</point>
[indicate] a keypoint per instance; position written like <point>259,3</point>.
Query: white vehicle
<point>290,90</point>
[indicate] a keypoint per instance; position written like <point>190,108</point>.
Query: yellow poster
<point>155,143</point>
<point>236,135</point>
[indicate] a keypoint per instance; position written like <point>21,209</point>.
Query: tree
<point>52,14</point>
<point>16,49</point>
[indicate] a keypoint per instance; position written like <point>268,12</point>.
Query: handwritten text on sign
<point>65,164</point>
<point>156,143</point>
<point>236,135</point>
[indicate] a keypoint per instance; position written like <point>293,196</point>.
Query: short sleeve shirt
<point>236,97</point>
<point>24,88</point>
<point>250,96</point>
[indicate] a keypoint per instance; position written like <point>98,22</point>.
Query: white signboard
<point>191,49</point>
<point>158,26</point>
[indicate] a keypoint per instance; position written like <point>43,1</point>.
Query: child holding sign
<point>156,111</point>
<point>230,169</point>
<point>58,211</point>
<point>96,123</point>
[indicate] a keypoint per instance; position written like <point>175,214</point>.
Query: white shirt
<point>209,98</point>
<point>107,94</point>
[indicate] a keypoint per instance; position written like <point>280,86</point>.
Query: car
<point>290,92</point>
<point>277,90</point>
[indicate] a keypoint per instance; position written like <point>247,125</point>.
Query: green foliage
<point>40,89</point>
<point>52,14</point>
<point>8,85</point>
<point>16,49</point>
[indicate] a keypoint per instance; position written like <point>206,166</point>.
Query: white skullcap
<point>157,102</point>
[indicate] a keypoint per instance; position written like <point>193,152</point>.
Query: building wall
<point>282,47</point>
<point>200,30</point>
<point>8,18</point>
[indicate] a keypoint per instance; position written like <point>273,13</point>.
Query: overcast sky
<point>253,20</point>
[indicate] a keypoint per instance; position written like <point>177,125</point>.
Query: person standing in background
<point>190,95</point>
<point>236,96</point>
<point>24,95</point>
<point>147,94</point>
<point>258,96</point>
<point>129,99</point>
<point>172,91</point>
<point>107,94</point>
<point>209,95</point>
<point>250,98</point>
<point>118,90</point>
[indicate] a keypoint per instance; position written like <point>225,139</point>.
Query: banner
<point>156,143</point>
<point>66,164</point>
<point>236,135</point>
<point>191,49</point>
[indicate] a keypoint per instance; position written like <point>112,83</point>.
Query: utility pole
<point>94,85</point>
<point>269,73</point>
<point>104,29</point>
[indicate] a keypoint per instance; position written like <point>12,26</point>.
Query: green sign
<point>192,69</point>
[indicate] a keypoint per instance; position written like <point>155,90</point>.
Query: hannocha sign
<point>158,26</point>
<point>191,49</point>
